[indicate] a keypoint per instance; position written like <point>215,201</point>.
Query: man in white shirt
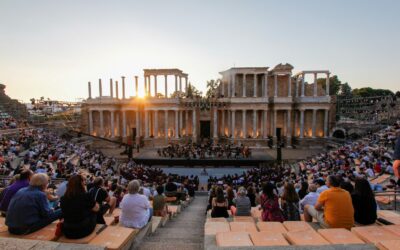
<point>321,187</point>
<point>135,208</point>
<point>311,198</point>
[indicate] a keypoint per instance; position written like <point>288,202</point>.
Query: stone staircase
<point>185,231</point>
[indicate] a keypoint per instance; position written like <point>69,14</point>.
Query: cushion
<point>373,234</point>
<point>114,237</point>
<point>248,227</point>
<point>243,219</point>
<point>268,239</point>
<point>212,228</point>
<point>272,226</point>
<point>84,240</point>
<point>231,239</point>
<point>308,237</point>
<point>294,226</point>
<point>388,245</point>
<point>340,236</point>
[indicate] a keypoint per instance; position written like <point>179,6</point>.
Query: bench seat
<point>115,238</point>
<point>388,245</point>
<point>295,226</point>
<point>340,236</point>
<point>243,219</point>
<point>233,239</point>
<point>248,227</point>
<point>212,228</point>
<point>271,226</point>
<point>265,239</point>
<point>373,234</point>
<point>304,238</point>
<point>46,234</point>
<point>84,240</point>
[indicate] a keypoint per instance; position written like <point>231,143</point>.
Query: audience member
<point>100,195</point>
<point>364,202</point>
<point>219,205</point>
<point>270,204</point>
<point>290,203</point>
<point>159,205</point>
<point>242,203</point>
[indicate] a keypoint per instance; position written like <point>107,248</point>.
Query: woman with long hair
<point>290,203</point>
<point>364,202</point>
<point>303,190</point>
<point>78,208</point>
<point>219,205</point>
<point>230,195</point>
<point>270,204</point>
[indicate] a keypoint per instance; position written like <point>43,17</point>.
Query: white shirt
<point>134,210</point>
<point>322,189</point>
<point>310,199</point>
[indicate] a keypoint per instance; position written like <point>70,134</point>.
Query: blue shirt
<point>10,191</point>
<point>28,206</point>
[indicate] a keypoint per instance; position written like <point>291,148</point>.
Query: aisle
<point>185,232</point>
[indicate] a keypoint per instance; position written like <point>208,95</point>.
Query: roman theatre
<point>256,106</point>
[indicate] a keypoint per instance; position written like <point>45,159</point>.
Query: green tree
<point>345,90</point>
<point>334,84</point>
<point>192,91</point>
<point>369,92</point>
<point>212,86</point>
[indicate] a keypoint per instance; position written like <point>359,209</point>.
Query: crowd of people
<point>204,151</point>
<point>334,188</point>
<point>57,178</point>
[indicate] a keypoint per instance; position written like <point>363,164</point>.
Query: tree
<point>192,91</point>
<point>212,86</point>
<point>33,101</point>
<point>370,92</point>
<point>345,90</point>
<point>334,84</point>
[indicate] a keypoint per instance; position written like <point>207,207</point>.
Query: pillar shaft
<point>155,133</point>
<point>180,83</point>
<point>233,124</point>
<point>118,127</point>
<point>297,87</point>
<point>229,94</point>
<point>315,85</point>
<point>233,87</point>
<point>223,122</point>
<point>155,85</point>
<point>255,85</point>
<point>254,123</point>
<point>101,124</point>
<point>266,85</point>
<point>186,122</point>
<point>326,121</point>
<point>146,124</point>
<point>137,124</point>
<point>314,121</point>
<point>166,124</point>
<point>176,83</point>
<point>265,123</point>
<point>301,123</point>
<point>116,90</point>
<point>274,123</point>
<point>289,123</point>
<point>244,123</point>
<point>180,123</point>
<point>275,85</point>
<point>90,90</point>
<point>327,84</point>
<point>112,124</point>
<point>290,86</point>
<point>215,123</point>
<point>302,85</point>
<point>124,124</point>
<point>100,89</point>
<point>123,87</point>
<point>244,85</point>
<point>186,84</point>
<point>194,125</point>
<point>90,122</point>
<point>166,86</point>
<point>111,88</point>
<point>136,86</point>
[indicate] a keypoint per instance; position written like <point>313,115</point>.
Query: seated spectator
<point>303,190</point>
<point>290,203</point>
<point>346,185</point>
<point>219,205</point>
<point>100,195</point>
<point>11,190</point>
<point>230,195</point>
<point>242,202</point>
<point>79,209</point>
<point>159,206</point>
<point>310,198</point>
<point>135,208</point>
<point>396,156</point>
<point>364,202</point>
<point>320,185</point>
<point>29,209</point>
<point>334,208</point>
<point>270,204</point>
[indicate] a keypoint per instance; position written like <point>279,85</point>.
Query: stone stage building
<point>251,105</point>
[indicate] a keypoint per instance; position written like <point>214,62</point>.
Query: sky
<point>53,48</point>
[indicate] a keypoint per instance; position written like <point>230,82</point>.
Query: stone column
<point>266,85</point>
<point>221,83</point>
<point>176,124</point>
<point>136,86</point>
<point>116,90</point>
<point>326,121</point>
<point>327,84</point>
<point>137,125</point>
<point>90,122</point>
<point>180,83</point>
<point>215,123</point>
<point>223,121</point>
<point>315,85</point>
<point>100,89</point>
<point>233,124</point>
<point>274,123</point>
<point>186,122</point>
<point>265,122</point>
<point>244,123</point>
<point>314,120</point>
<point>90,90</point>
<point>111,88</point>
<point>301,123</point>
<point>194,125</point>
<point>244,85</point>
<point>255,85</point>
<point>289,128</point>
<point>180,122</point>
<point>166,124</point>
<point>155,124</point>
<point>254,123</point>
<point>275,85</point>
<point>145,85</point>
<point>124,124</point>
<point>166,86</point>
<point>155,85</point>
<point>112,123</point>
<point>118,127</point>
<point>146,124</point>
<point>101,124</point>
<point>233,87</point>
<point>123,87</point>
<point>176,83</point>
<point>302,85</point>
<point>290,86</point>
<point>297,86</point>
<point>186,84</point>
<point>229,87</point>
<point>295,122</point>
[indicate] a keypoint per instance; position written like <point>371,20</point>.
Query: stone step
<point>171,246</point>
